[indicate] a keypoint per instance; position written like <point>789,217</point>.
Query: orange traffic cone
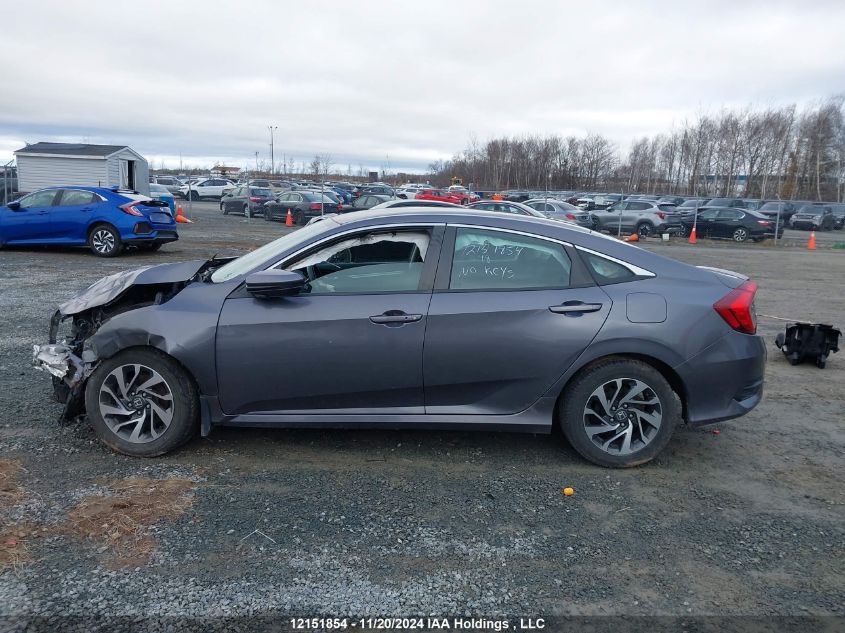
<point>633,237</point>
<point>811,244</point>
<point>180,218</point>
<point>289,220</point>
<point>692,236</point>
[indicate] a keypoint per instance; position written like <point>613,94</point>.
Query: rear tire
<point>247,213</point>
<point>630,434</point>
<point>104,241</point>
<point>175,395</point>
<point>223,209</point>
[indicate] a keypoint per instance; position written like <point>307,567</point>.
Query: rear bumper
<point>161,236</point>
<point>724,381</point>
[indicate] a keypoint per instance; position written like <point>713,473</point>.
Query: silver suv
<point>643,217</point>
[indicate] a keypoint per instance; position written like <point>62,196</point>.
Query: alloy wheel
<point>103,241</point>
<point>622,416</point>
<point>644,230</point>
<point>740,235</point>
<point>136,403</point>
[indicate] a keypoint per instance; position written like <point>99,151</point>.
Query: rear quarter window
<point>607,271</point>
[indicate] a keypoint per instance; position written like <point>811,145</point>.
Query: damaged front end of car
<point>68,357</point>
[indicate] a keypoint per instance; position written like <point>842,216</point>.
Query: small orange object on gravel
<point>569,491</point>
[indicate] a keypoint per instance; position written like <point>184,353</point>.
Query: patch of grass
<point>120,522</point>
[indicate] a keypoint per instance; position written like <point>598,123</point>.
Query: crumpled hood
<point>109,288</point>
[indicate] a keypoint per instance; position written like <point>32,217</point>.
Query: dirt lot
<point>744,518</point>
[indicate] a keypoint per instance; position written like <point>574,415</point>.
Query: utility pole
<point>272,128</point>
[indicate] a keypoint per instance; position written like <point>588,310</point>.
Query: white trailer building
<point>54,164</point>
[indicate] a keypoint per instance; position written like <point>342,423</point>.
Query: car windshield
<point>245,263</point>
<point>158,188</point>
<point>772,206</point>
<point>720,202</point>
<point>264,193</point>
<point>811,209</point>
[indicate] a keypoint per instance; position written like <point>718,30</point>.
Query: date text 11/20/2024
<point>417,623</point>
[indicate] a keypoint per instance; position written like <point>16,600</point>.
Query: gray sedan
<point>433,318</point>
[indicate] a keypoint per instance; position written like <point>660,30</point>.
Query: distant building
<point>222,170</point>
<point>54,164</point>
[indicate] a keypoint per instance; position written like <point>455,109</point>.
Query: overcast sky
<point>396,83</point>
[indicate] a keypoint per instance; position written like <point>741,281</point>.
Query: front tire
<point>141,402</point>
<point>619,413</point>
<point>104,241</point>
<point>299,218</point>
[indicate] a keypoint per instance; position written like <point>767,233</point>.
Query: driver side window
<point>39,199</point>
<point>368,263</point>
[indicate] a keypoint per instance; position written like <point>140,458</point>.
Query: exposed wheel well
<point>668,373</point>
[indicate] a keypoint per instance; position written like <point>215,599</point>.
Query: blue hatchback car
<point>104,220</point>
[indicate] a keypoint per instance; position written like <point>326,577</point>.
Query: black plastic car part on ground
<point>808,341</point>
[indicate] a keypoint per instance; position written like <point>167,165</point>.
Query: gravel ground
<point>748,521</point>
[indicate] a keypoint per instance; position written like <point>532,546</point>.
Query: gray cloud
<point>403,82</point>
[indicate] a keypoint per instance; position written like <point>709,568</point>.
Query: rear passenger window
<point>75,197</point>
<point>495,260</point>
<point>606,270</point>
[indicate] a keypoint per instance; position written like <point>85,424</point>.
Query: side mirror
<point>274,284</point>
<point>14,206</point>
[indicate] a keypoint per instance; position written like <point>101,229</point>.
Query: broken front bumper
<point>68,370</point>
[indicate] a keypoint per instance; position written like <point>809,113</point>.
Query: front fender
<point>184,327</point>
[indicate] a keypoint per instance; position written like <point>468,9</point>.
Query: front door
<point>353,340</point>
<point>30,222</point>
<point>504,323</point>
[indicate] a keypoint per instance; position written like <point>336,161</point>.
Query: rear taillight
<point>661,215</point>
<point>571,217</point>
<point>254,199</point>
<point>129,208</point>
<point>315,206</point>
<point>339,206</point>
<point>737,308</point>
<point>763,222</point>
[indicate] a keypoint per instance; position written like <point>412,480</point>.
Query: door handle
<point>86,209</point>
<point>571,307</point>
<point>395,316</point>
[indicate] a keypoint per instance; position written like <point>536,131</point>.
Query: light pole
<point>272,129</point>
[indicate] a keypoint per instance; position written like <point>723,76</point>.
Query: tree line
<point>771,153</point>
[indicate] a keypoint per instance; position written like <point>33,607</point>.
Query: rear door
<point>71,214</point>
<point>727,222</point>
<point>505,321</point>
